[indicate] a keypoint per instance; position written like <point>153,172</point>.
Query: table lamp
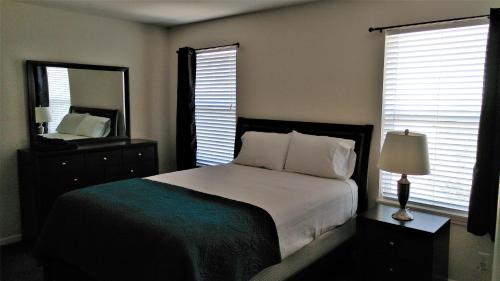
<point>42,115</point>
<point>404,153</point>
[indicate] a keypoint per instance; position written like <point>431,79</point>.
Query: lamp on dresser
<point>404,153</point>
<point>42,115</point>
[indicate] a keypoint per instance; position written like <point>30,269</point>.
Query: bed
<point>290,234</point>
<point>111,114</point>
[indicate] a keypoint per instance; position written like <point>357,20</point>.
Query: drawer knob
<point>391,243</point>
<point>132,171</point>
<point>63,163</point>
<point>105,158</point>
<point>75,179</point>
<point>139,154</point>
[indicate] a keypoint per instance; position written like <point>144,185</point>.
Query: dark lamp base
<point>403,195</point>
<point>402,215</point>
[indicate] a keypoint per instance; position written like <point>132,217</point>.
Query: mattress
<point>63,136</point>
<point>303,207</point>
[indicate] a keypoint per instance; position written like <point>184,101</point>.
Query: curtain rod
<point>237,44</point>
<point>371,29</point>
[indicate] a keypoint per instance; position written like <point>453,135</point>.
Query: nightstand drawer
<point>380,238</point>
<point>384,268</point>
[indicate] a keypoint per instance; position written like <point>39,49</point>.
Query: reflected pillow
<point>264,150</point>
<point>94,127</point>
<point>321,156</point>
<point>70,122</point>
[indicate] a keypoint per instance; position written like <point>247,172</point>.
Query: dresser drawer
<point>54,186</point>
<point>139,170</point>
<point>139,154</point>
<point>114,173</point>
<point>105,158</point>
<point>63,164</point>
<point>65,182</point>
<point>44,176</point>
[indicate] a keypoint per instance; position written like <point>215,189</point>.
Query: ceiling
<point>167,12</point>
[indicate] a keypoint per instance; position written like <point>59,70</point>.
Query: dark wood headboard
<point>361,134</point>
<point>112,114</point>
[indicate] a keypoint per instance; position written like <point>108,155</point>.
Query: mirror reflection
<point>76,104</point>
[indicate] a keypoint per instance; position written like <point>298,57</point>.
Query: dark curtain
<point>41,86</point>
<point>484,193</point>
<point>186,125</point>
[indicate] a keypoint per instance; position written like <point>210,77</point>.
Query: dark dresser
<point>43,176</point>
<point>411,251</point>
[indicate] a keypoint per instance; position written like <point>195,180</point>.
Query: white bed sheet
<point>63,136</point>
<point>303,207</point>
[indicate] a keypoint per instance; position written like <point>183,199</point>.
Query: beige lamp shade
<point>405,154</point>
<point>42,114</point>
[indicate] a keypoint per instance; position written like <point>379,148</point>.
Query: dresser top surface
<point>422,221</point>
<point>83,147</point>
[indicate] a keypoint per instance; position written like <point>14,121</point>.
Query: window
<point>59,95</point>
<point>215,105</point>
<point>433,83</point>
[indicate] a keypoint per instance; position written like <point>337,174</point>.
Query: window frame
<point>457,216</point>
<point>233,106</point>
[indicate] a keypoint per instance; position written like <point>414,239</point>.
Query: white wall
<point>41,33</point>
<point>317,62</point>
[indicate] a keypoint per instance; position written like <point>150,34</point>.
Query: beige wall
<point>40,33</point>
<point>318,62</point>
<point>98,89</point>
<point>496,254</point>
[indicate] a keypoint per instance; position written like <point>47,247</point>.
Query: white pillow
<point>70,122</point>
<point>321,156</point>
<point>94,127</point>
<point>265,150</point>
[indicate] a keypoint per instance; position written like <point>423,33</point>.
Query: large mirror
<point>77,102</point>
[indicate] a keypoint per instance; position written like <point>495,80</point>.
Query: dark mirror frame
<point>30,66</point>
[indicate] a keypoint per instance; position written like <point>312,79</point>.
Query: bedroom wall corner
<point>155,109</point>
<point>30,31</point>
<point>1,94</point>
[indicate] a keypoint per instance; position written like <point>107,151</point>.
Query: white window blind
<point>59,95</point>
<point>215,105</point>
<point>433,84</point>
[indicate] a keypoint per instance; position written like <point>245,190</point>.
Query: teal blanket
<point>143,230</point>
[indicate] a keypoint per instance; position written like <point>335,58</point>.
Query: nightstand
<point>402,251</point>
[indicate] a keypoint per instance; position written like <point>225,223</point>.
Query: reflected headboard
<point>361,134</point>
<point>112,114</point>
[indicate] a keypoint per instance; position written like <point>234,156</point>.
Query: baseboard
<point>10,239</point>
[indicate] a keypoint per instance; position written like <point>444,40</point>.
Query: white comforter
<point>302,207</point>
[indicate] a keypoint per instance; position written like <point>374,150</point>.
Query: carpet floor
<point>17,264</point>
